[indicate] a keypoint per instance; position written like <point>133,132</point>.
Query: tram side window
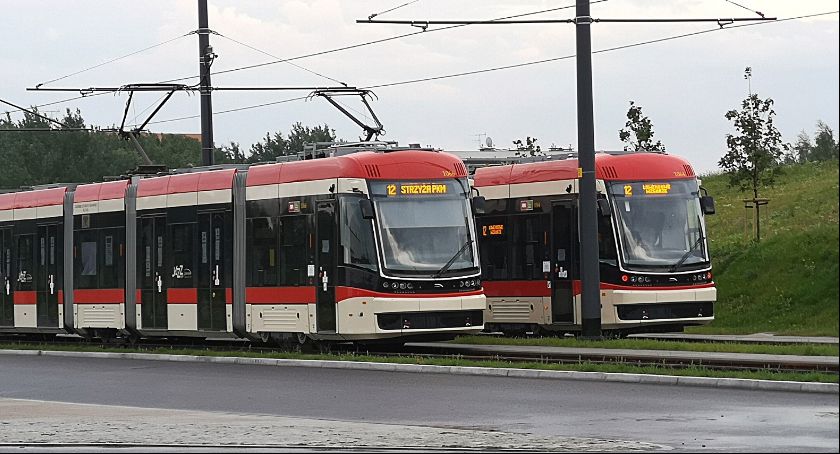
<point>262,252</point>
<point>294,249</point>
<point>113,250</point>
<point>4,258</point>
<point>529,246</point>
<point>606,241</point>
<point>183,257</point>
<point>25,268</point>
<point>357,236</point>
<point>494,247</point>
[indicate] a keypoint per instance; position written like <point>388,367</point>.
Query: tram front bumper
<point>406,315</point>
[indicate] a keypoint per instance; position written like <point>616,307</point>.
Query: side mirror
<point>604,208</point>
<point>707,204</point>
<point>478,204</point>
<point>367,208</point>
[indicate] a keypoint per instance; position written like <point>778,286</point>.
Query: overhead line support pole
<point>205,56</point>
<point>590,275</point>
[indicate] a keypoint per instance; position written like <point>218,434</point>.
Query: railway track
<point>505,353</point>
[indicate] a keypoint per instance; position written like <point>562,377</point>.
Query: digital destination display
<point>647,189</point>
<point>493,230</point>
<point>656,188</point>
<point>394,189</point>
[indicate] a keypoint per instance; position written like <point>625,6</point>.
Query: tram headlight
<point>385,284</point>
<point>402,285</point>
<point>461,284</point>
<point>624,278</point>
<point>409,285</point>
<point>394,285</point>
<point>709,275</point>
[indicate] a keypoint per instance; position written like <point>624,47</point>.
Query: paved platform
<point>35,422</point>
<point>757,338</point>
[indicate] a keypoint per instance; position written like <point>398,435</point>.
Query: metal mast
<point>590,274</point>
<point>205,59</point>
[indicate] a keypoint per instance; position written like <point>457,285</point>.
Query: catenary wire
<point>392,9</point>
<point>519,65</point>
<point>609,49</point>
<point>744,7</point>
<point>314,54</point>
<point>368,43</point>
<point>274,56</point>
<point>114,60</point>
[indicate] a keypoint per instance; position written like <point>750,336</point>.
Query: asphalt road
<point>680,417</point>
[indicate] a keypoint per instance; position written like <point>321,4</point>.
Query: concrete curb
<point>708,382</point>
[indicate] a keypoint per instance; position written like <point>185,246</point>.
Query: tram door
<point>326,266</point>
<point>7,307</point>
<point>151,278</point>
<point>48,272</point>
<point>564,223</point>
<point>213,272</point>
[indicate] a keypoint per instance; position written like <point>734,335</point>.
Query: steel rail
<point>669,358</point>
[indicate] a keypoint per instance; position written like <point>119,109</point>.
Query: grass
<point>581,367</point>
<point>787,283</point>
<point>653,344</point>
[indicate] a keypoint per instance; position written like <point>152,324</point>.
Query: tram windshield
<point>659,223</point>
<point>425,227</point>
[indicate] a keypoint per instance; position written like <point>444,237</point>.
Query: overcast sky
<point>684,85</point>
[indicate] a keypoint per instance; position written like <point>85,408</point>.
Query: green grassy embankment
<point>788,282</point>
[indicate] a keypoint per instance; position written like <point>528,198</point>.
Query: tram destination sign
<point>415,188</point>
<point>634,189</point>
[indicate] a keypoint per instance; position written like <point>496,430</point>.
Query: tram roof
<point>630,166</point>
<point>400,164</point>
<point>101,191</point>
<point>32,199</point>
<point>186,182</point>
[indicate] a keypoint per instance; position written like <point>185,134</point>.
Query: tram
<point>653,249</point>
<point>366,246</point>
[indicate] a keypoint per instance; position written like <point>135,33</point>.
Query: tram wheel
<point>615,334</point>
<point>133,339</point>
<point>305,343</point>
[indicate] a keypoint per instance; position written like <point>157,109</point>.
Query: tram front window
<point>659,223</point>
<point>425,228</point>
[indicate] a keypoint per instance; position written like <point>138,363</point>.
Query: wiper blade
<point>452,260</point>
<point>688,252</point>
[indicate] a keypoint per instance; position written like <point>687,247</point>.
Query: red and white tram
<point>362,247</point>
<point>653,250</point>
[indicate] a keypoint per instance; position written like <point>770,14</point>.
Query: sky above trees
<point>685,85</point>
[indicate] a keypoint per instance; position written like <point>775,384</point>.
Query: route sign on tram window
<point>416,188</point>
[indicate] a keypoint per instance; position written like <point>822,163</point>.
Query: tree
<point>229,154</point>
<point>754,154</point>
<point>529,148</point>
<point>301,135</point>
<point>802,148</point>
<point>273,146</point>
<point>825,147</point>
<point>640,127</point>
